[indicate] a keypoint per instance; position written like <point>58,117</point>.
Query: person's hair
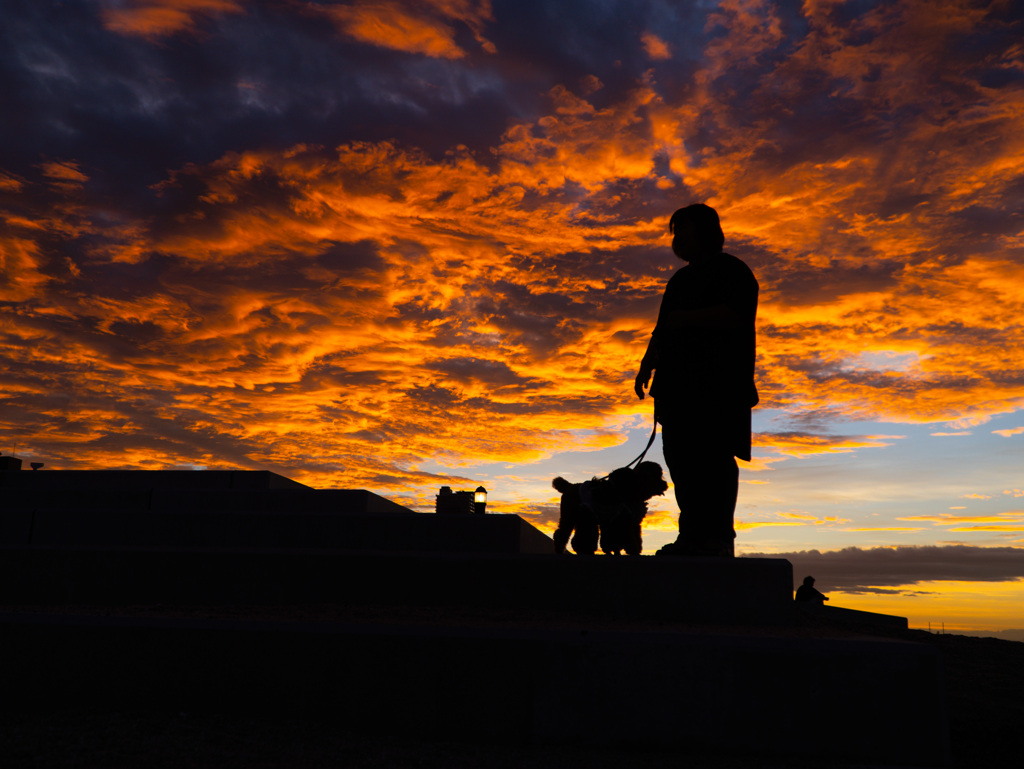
<point>808,580</point>
<point>705,223</point>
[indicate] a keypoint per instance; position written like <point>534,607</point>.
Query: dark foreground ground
<point>984,683</point>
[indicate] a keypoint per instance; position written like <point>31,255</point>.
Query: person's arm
<point>647,366</point>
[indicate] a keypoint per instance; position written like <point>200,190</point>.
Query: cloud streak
<point>156,18</point>
<point>882,569</point>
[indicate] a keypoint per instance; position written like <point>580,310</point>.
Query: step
<point>745,693</point>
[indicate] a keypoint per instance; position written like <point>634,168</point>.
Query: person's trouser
<point>703,468</point>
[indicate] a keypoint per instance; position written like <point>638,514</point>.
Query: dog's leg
<point>635,542</point>
<point>585,540</point>
<point>568,508</point>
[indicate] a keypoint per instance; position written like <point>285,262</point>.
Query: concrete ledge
<point>741,695</point>
<point>839,615</point>
<point>695,590</point>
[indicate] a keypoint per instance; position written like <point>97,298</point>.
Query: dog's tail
<point>561,485</point>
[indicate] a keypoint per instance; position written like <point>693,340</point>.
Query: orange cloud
<point>803,444</point>
<point>580,144</point>
<point>656,48</point>
<point>415,27</point>
<point>791,518</point>
<point>66,171</point>
<point>752,29</point>
<point>20,268</point>
<point>27,265</point>
<point>945,519</point>
<point>157,18</point>
<point>9,183</point>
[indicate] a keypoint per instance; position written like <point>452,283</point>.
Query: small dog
<point>611,508</point>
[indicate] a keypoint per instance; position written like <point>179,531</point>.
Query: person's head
<point>809,581</point>
<point>696,232</point>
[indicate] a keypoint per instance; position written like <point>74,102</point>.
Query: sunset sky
<point>399,244</point>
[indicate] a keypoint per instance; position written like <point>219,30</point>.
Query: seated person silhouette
<point>807,592</point>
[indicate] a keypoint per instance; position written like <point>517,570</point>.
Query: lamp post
<point>480,500</point>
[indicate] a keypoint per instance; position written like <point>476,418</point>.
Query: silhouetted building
<point>10,463</point>
<point>461,502</point>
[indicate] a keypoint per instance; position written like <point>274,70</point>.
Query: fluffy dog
<point>611,508</point>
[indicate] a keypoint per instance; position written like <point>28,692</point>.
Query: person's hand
<point>641,383</point>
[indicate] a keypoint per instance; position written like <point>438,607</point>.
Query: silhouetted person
<point>807,592</point>
<point>702,354</point>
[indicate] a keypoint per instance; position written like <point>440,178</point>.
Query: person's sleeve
<point>741,290</point>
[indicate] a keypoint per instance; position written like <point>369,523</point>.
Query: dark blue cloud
<point>855,569</point>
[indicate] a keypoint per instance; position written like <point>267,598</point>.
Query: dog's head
<point>639,483</point>
<point>652,481</point>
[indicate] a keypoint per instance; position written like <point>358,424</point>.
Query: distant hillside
<point>1005,635</point>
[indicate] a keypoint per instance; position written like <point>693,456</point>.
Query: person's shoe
<point>719,548</point>
<point>677,548</point>
<point>714,549</point>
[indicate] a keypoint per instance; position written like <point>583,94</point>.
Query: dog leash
<point>650,442</point>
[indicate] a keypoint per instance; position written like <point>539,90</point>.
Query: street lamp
<point>480,500</point>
